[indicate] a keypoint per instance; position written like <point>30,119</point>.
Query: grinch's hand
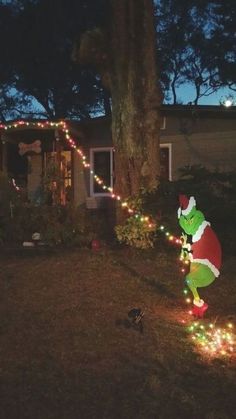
<point>184,255</point>
<point>186,248</point>
<point>183,239</point>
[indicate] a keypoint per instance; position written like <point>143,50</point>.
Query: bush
<point>56,225</point>
<point>136,233</point>
<point>9,198</point>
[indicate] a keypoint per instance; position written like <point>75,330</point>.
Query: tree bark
<point>135,96</point>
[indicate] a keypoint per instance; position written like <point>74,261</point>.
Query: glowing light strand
<point>212,340</point>
<point>62,125</point>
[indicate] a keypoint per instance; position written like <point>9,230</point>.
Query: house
<point>83,153</point>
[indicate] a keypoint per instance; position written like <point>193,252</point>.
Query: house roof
<point>212,111</point>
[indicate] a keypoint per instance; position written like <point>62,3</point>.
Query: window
<point>101,160</point>
<point>102,165</point>
<point>166,160</point>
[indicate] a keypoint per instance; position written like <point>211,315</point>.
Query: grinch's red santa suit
<point>206,248</point>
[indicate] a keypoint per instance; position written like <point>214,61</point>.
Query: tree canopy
<point>196,45</point>
<point>38,77</point>
<point>41,67</point>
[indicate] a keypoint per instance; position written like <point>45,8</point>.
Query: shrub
<point>136,233</point>
<point>56,225</point>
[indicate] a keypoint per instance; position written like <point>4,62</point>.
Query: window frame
<point>163,124</point>
<point>92,152</point>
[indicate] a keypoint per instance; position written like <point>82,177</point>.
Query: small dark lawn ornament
<point>133,321</point>
<point>135,315</point>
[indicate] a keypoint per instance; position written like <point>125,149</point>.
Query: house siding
<point>206,138</point>
<point>202,135</point>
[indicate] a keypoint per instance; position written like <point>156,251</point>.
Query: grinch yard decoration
<point>204,253</point>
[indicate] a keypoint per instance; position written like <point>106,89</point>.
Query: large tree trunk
<point>135,97</point>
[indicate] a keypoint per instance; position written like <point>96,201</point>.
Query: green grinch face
<point>191,222</point>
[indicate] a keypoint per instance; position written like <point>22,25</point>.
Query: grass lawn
<point>66,350</point>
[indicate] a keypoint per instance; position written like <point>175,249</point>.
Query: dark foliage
<point>215,195</point>
<point>39,52</point>
<point>196,45</point>
<point>38,77</point>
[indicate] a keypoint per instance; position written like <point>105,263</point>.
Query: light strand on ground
<point>212,339</point>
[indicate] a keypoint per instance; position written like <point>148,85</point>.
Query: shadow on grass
<point>160,288</point>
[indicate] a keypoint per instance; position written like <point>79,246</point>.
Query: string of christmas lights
<point>213,340</point>
<point>209,338</point>
<point>62,125</point>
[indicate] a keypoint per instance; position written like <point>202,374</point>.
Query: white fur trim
<point>191,204</point>
<point>200,231</point>
<point>179,212</point>
<point>206,262</point>
<point>198,303</point>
